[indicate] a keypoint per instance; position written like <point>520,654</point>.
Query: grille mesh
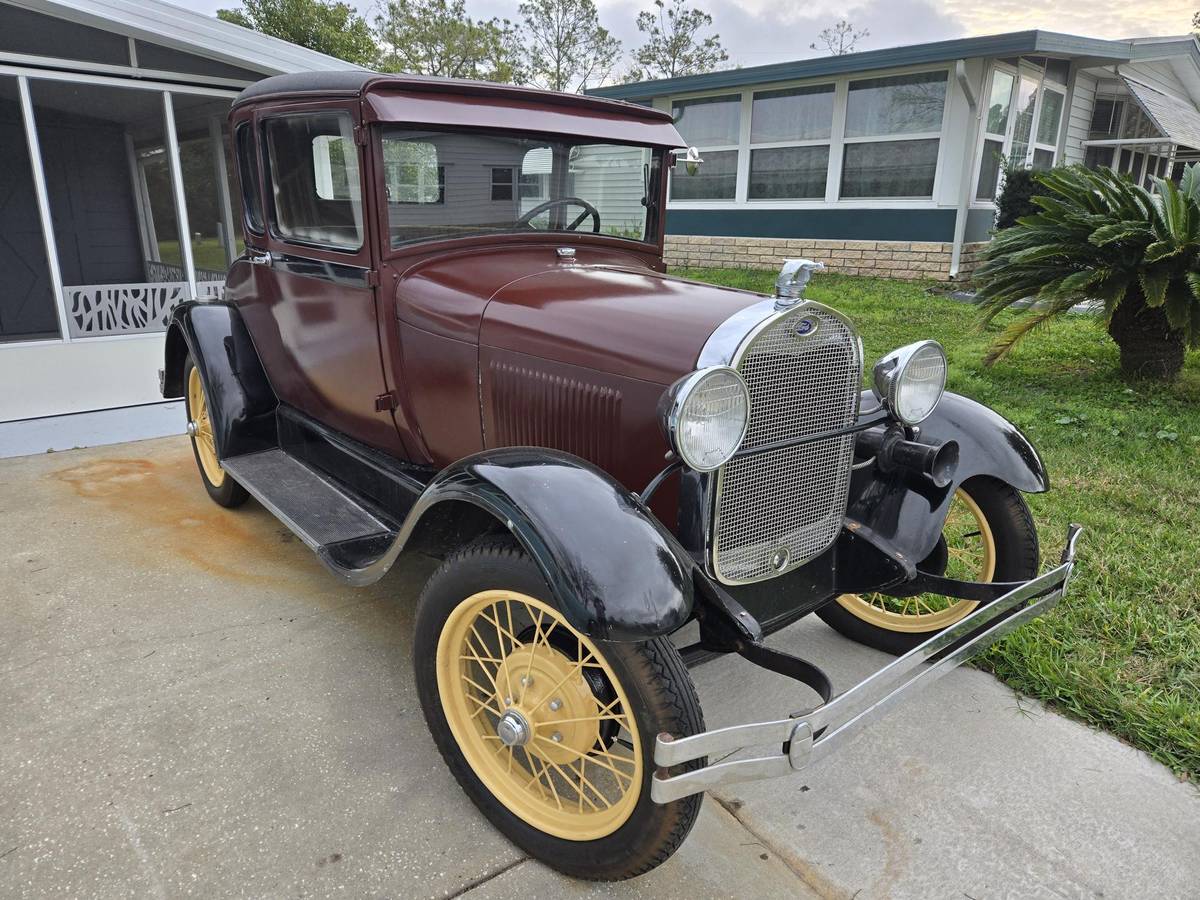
<point>794,498</point>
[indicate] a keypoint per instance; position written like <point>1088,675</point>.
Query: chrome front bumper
<point>808,737</point>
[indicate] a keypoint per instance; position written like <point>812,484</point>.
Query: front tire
<point>217,482</point>
<point>550,733</point>
<point>989,536</point>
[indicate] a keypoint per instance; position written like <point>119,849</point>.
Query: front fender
<point>616,573</point>
<point>909,512</point>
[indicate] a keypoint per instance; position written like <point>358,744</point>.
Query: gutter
<point>964,188</point>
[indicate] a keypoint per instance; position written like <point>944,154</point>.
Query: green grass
<point>209,253</point>
<point>1122,652</point>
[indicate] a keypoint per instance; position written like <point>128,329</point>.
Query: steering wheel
<point>588,210</point>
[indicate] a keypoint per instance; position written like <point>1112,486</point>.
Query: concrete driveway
<point>190,705</point>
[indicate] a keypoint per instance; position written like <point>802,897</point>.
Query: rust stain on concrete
<point>896,855</point>
<point>165,510</point>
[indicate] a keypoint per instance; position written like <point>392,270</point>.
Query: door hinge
<point>372,277</point>
<point>385,402</point>
<point>360,135</point>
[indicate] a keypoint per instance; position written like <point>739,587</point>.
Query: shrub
<point>1098,236</point>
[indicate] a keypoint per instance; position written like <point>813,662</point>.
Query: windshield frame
<point>651,243</point>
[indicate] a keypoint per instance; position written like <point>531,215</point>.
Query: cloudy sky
<point>756,32</point>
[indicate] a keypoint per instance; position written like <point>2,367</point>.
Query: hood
<point>625,320</point>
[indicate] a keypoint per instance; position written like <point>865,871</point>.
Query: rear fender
<point>241,400</point>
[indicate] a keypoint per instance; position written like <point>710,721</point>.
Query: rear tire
<point>466,665</point>
<point>1002,519</point>
<point>220,484</point>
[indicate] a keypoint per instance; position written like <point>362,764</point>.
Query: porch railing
<point>95,310</point>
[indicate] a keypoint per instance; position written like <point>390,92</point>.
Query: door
<point>307,290</point>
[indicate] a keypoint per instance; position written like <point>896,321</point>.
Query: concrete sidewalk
<point>191,706</point>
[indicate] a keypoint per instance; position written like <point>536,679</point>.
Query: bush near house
<point>1016,197</point>
<point>1099,237</point>
<point>1123,650</point>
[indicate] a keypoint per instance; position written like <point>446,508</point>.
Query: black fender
<point>908,511</point>
<point>615,571</point>
<point>241,401</point>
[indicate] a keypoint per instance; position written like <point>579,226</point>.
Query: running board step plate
<point>309,503</point>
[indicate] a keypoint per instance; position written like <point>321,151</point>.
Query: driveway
<point>190,705</point>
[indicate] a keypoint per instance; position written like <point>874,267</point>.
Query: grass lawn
<point>209,253</point>
<point>1123,650</point>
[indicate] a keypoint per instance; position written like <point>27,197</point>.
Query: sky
<point>757,32</point>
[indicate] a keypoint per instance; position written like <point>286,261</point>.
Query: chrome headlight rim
<point>674,403</point>
<point>888,378</point>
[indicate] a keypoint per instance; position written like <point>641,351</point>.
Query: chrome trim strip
<point>845,715</point>
<point>723,343</point>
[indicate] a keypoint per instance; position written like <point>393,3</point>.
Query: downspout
<point>964,189</point>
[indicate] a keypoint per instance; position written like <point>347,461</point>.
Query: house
<point>116,201</point>
<point>887,162</point>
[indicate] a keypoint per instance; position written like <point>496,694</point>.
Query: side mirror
<point>691,159</point>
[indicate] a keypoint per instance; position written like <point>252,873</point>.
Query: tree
<point>437,37</point>
<point>566,48</point>
<point>1097,236</point>
<point>323,25</point>
<point>839,39</point>
<point>673,46</point>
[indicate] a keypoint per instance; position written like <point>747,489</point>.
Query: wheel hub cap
<point>512,729</point>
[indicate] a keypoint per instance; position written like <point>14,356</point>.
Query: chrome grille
<point>778,509</point>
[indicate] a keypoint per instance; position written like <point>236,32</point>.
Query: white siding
<point>1079,117</point>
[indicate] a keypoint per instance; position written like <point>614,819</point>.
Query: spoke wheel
<point>202,439</point>
<point>970,556</point>
<point>220,484</point>
<point>549,731</point>
<point>529,721</point>
<point>988,535</point>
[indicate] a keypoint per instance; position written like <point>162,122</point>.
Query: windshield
<point>443,184</point>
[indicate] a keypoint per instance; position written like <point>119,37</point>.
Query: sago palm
<point>1100,237</point>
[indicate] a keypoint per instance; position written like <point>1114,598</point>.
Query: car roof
<point>357,83</point>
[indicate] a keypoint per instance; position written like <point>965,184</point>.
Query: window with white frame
<point>1026,108</point>
<point>893,131</point>
<point>712,124</point>
<point>790,131</point>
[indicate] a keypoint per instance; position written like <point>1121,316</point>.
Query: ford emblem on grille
<point>805,327</point>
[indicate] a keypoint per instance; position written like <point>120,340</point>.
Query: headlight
<point>705,415</point>
<point>910,381</point>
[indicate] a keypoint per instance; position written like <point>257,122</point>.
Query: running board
<point>318,511</point>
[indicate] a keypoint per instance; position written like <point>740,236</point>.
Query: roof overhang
<point>190,32</point>
<point>1019,43</point>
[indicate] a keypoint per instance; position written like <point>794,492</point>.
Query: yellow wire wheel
<point>539,715</point>
<point>206,447</point>
<point>971,556</point>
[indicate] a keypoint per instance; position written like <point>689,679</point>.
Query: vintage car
<point>452,333</point>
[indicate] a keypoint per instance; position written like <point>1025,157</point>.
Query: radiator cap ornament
<point>789,286</point>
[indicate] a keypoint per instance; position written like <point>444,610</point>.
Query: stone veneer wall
<point>885,259</point>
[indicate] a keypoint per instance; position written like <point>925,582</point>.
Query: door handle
<point>258,259</point>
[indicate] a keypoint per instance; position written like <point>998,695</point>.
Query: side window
<point>248,175</point>
<point>315,185</point>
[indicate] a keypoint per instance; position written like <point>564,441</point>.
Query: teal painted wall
<point>819,224</point>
